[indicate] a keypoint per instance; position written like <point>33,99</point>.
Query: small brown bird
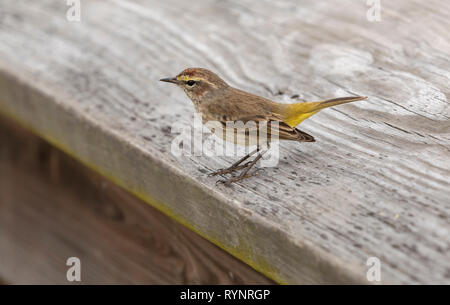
<point>216,101</point>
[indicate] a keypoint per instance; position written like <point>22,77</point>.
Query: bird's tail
<point>296,113</point>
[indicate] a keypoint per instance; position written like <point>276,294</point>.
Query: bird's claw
<point>228,170</point>
<point>228,182</point>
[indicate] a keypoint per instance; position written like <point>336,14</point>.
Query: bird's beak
<point>170,80</point>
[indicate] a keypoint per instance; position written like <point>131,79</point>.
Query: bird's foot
<point>237,178</point>
<point>229,170</point>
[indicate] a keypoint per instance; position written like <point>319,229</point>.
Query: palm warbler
<point>216,101</point>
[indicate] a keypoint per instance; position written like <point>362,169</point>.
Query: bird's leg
<point>236,166</point>
<point>244,174</point>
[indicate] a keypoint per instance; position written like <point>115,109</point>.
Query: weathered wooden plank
<point>375,184</point>
<point>53,208</point>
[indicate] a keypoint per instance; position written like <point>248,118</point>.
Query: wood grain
<point>376,182</point>
<point>53,208</point>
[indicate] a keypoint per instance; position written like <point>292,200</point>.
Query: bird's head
<point>198,83</point>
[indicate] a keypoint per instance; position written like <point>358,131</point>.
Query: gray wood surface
<point>376,182</point>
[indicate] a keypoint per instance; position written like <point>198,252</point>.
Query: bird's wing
<point>245,107</point>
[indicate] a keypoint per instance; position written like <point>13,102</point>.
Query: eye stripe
<point>187,78</point>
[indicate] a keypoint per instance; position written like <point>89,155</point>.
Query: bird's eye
<point>190,83</point>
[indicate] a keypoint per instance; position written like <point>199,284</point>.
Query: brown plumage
<point>216,101</point>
